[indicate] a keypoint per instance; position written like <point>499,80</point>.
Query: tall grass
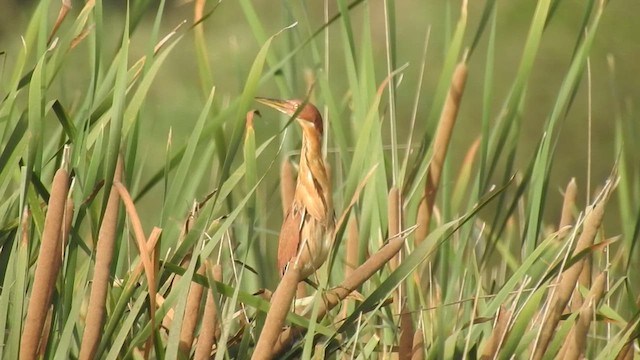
<point>117,243</point>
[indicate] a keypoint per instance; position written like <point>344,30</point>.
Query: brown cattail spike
<point>405,348</point>
<point>418,346</point>
<point>574,347</point>
<point>351,257</point>
<point>99,287</point>
<point>498,335</point>
<point>440,145</point>
<point>191,315</point>
<point>46,267</point>
<point>210,327</point>
<point>568,204</point>
<point>561,295</point>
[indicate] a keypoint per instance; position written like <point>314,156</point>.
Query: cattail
<point>280,304</point>
<point>198,12</point>
<point>191,315</point>
<point>422,221</point>
<point>62,244</point>
<point>287,185</point>
<point>351,256</point>
<point>418,346</point>
<point>405,347</point>
<point>99,287</point>
<point>46,272</point>
<point>166,320</point>
<point>334,296</point>
<point>68,223</point>
<point>362,274</point>
<point>265,294</point>
<point>585,275</point>
<point>171,313</point>
<point>566,219</point>
<point>576,341</point>
<point>440,145</point>
<point>627,351</point>
<point>570,194</point>
<point>584,280</point>
<point>301,290</point>
<point>558,301</point>
<point>210,327</point>
<point>42,346</point>
<point>186,228</point>
<point>462,183</point>
<point>498,335</point>
<point>66,231</point>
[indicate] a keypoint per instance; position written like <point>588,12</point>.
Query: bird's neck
<point>311,145</point>
<point>311,162</point>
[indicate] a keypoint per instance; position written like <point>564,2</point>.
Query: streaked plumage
<point>307,231</point>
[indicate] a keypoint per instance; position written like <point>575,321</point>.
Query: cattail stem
<point>46,270</point>
<point>393,213</point>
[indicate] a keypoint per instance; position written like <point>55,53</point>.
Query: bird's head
<point>307,116</point>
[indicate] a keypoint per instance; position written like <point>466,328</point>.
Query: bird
<point>307,232</point>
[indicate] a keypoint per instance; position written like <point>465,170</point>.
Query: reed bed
<point>461,231</point>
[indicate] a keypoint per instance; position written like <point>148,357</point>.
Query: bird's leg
<point>305,244</point>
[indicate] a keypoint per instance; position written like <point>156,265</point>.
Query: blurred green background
<point>176,97</point>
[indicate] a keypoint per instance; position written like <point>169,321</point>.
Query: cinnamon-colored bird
<point>307,231</point>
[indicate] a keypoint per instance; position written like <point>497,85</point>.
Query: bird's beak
<point>283,106</point>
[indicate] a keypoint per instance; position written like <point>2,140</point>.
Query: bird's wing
<point>289,237</point>
<point>312,193</point>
